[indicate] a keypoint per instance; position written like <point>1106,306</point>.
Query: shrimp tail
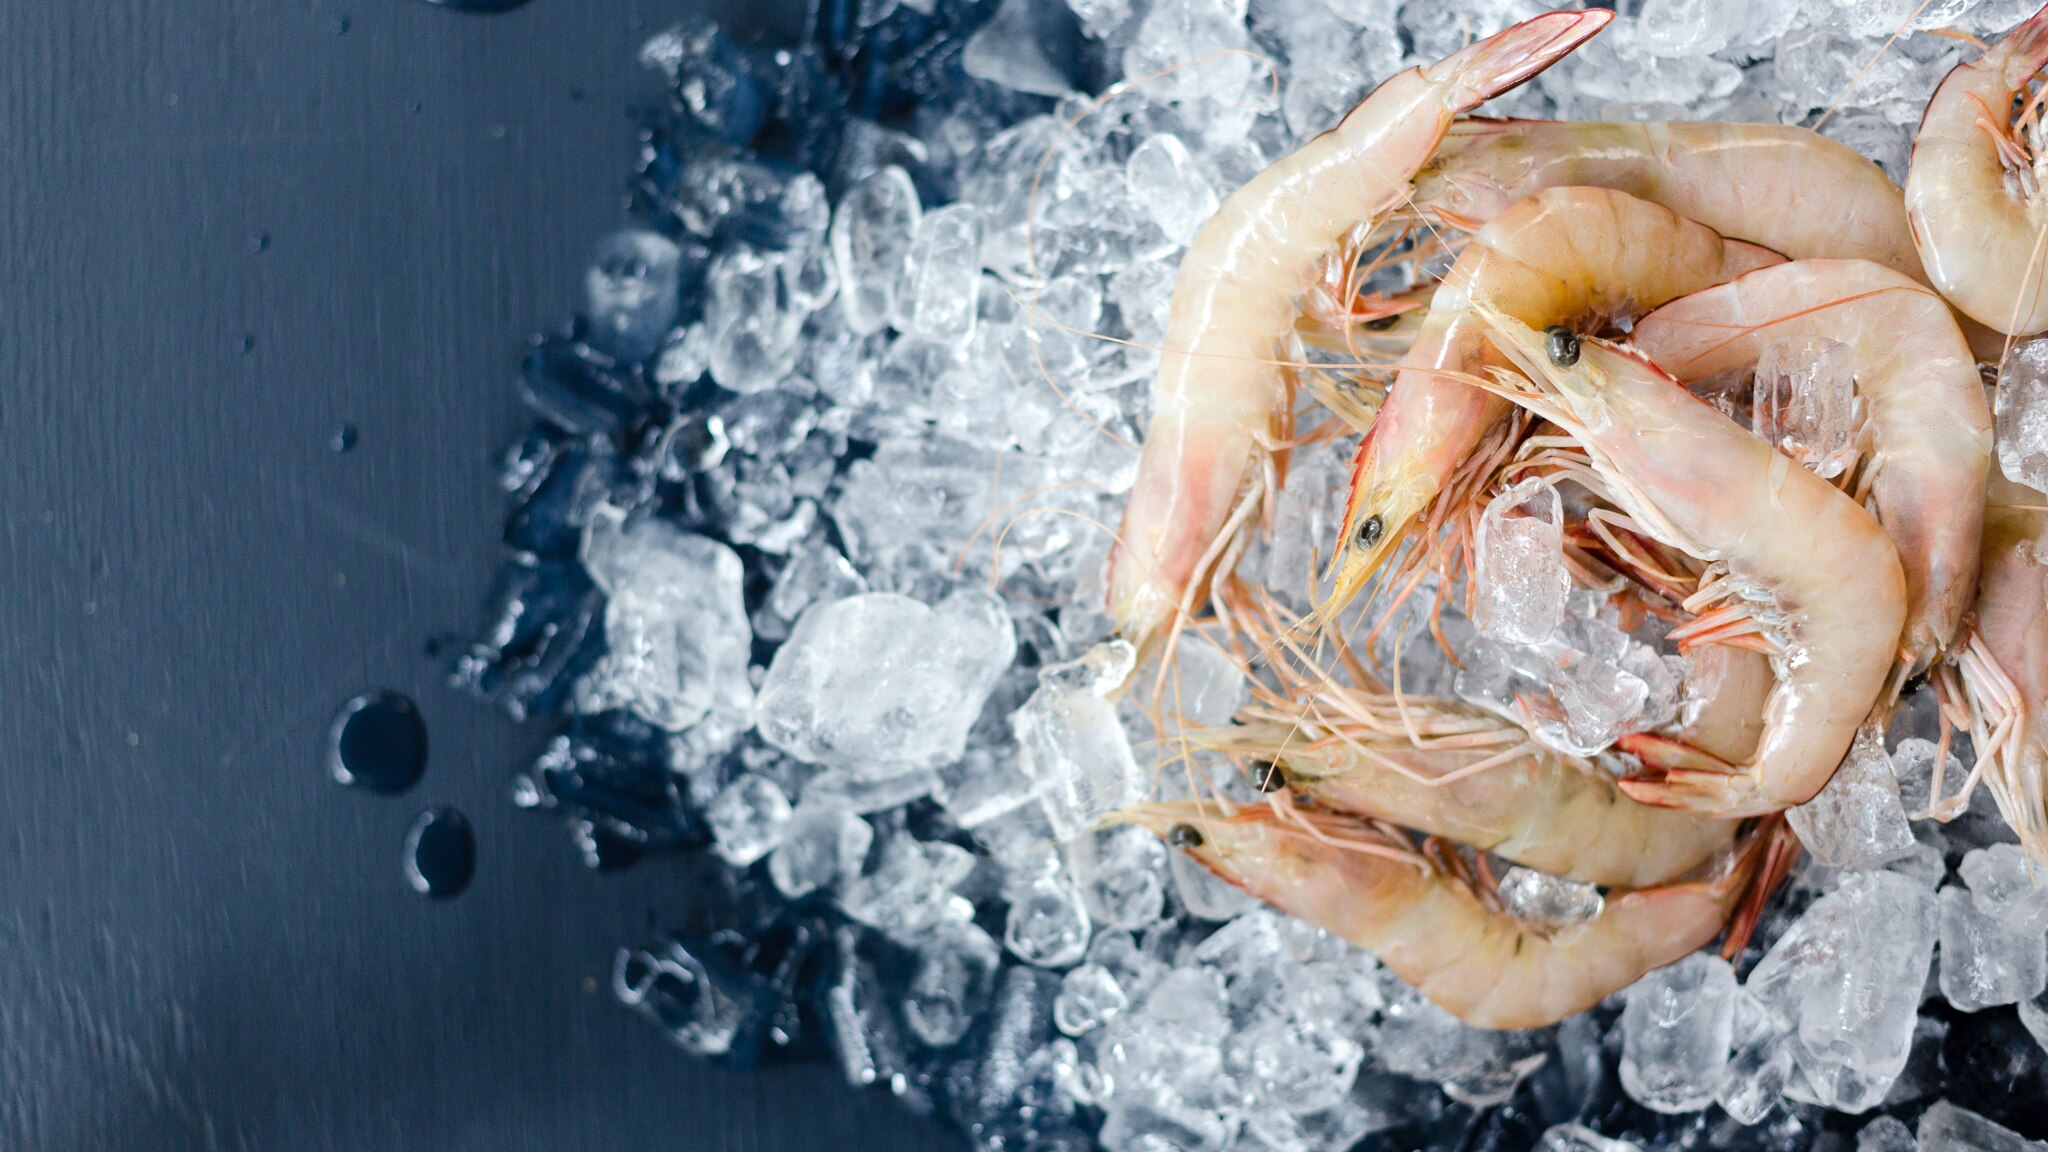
<point>1502,63</point>
<point>1715,792</point>
<point>1766,861</point>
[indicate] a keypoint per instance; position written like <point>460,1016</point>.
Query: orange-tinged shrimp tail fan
<point>1502,63</point>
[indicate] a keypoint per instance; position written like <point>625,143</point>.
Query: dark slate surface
<point>204,942</point>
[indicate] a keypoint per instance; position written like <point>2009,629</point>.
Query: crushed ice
<point>809,555</point>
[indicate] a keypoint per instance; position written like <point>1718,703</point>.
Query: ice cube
<point>1579,1138</point>
<point>1913,762</point>
<point>1168,186</point>
<point>675,621</point>
<point>2007,886</point>
<point>984,785</point>
<point>1099,18</point>
<point>944,278</point>
<point>1520,582</point>
<point>1886,1134</point>
<point>1759,1061</point>
<point>1048,924</point>
<point>1856,821</point>
<point>1012,50</point>
<point>1947,1128</point>
<point>1071,739</point>
<point>1156,1119</point>
<point>1675,1034</point>
<point>956,969</point>
<point>1089,998</point>
<point>1600,704</point>
<point>824,843</point>
<point>910,889</point>
<point>1548,901</point>
<point>1299,1066</point>
<point>748,819</point>
<point>1205,895</point>
<point>1805,403</point>
<point>873,231</point>
<point>1476,1067</point>
<point>630,292</point>
<point>1684,27</point>
<point>750,322</point>
<point>1848,976</point>
<point>1206,685</point>
<point>1176,32</point>
<point>1985,962</point>
<point>1123,873</point>
<point>879,684</point>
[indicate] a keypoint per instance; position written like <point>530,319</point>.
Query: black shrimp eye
<point>1267,777</point>
<point>1562,345</point>
<point>1369,532</point>
<point>1185,836</point>
<point>1382,323</point>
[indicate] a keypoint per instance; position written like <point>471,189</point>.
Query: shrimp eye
<point>1382,323</point>
<point>1185,836</point>
<point>1370,531</point>
<point>1562,345</point>
<point>1267,777</point>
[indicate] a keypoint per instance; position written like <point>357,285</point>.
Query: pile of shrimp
<point>1577,299</point>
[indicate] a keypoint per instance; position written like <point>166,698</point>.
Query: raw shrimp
<point>1930,429</point>
<point>2005,665</point>
<point>1477,779</point>
<point>1973,188</point>
<point>1213,455</point>
<point>1789,189</point>
<point>1799,566</point>
<point>1583,257</point>
<point>1433,930</point>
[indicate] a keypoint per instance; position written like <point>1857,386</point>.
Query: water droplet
<point>378,742</point>
<point>246,344</point>
<point>259,243</point>
<point>440,853</point>
<point>340,25</point>
<point>344,438</point>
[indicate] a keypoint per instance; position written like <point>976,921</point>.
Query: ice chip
<point>1168,187</point>
<point>1886,1134</point>
<point>629,293</point>
<point>1986,962</point>
<point>750,321</point>
<point>956,969</point>
<point>873,231</point>
<point>1914,762</point>
<point>824,843</point>
<point>748,819</point>
<point>1684,27</point>
<point>1048,924</point>
<point>1071,739</point>
<point>2021,412</point>
<point>1204,894</point>
<point>1123,874</point>
<point>880,684</point>
<point>1548,901</point>
<point>1099,18</point>
<point>1805,403</point>
<point>1601,703</point>
<point>1947,1128</point>
<point>1011,50</point>
<point>1856,821</point>
<point>1089,998</point>
<point>910,888</point>
<point>944,277</point>
<point>1759,1060</point>
<point>2007,886</point>
<point>1675,1034</point>
<point>1520,581</point>
<point>1175,32</point>
<point>1579,1138</point>
<point>675,620</point>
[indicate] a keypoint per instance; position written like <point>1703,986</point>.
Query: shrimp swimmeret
<point>1974,188</point>
<point>1930,429</point>
<point>1580,257</point>
<point>1432,929</point>
<point>1213,455</point>
<point>1799,567</point>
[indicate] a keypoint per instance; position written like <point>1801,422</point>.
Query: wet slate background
<point>204,942</point>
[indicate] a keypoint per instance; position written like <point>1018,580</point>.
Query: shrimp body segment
<point>1930,427</point>
<point>1473,960</point>
<point>1496,790</point>
<point>1803,566</point>
<point>1789,189</point>
<point>1213,454</point>
<point>1580,257</point>
<point>1974,189</point>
